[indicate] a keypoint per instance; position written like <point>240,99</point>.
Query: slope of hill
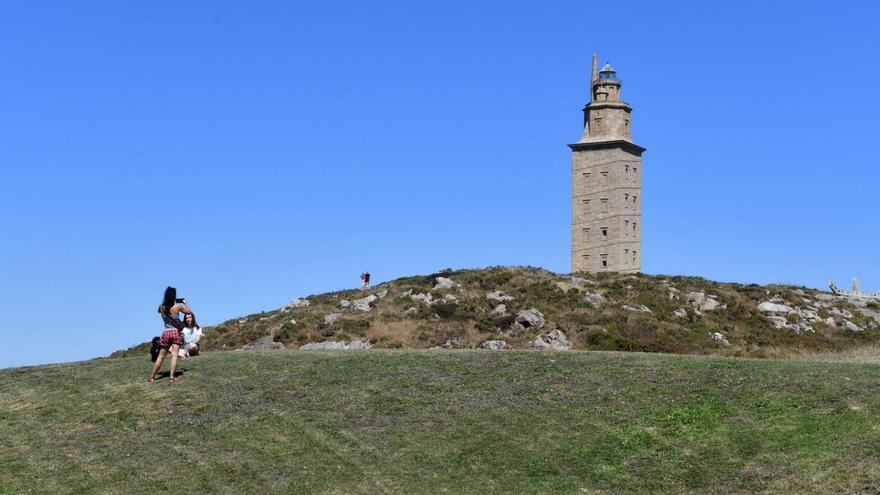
<point>462,422</point>
<point>523,307</point>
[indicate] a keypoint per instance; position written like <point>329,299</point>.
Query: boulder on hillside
<point>330,345</point>
<point>851,327</point>
<point>720,338</point>
<point>555,340</point>
<point>443,283</point>
<point>493,345</point>
<point>331,318</point>
<point>774,308</point>
<point>363,304</point>
<point>500,310</point>
<point>530,318</point>
<point>299,303</point>
<point>497,295</point>
<point>594,300</point>
<point>262,344</point>
<point>637,309</point>
<point>703,303</point>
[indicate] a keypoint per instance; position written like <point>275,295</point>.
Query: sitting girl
<point>192,335</point>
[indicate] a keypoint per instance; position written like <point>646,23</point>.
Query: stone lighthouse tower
<point>606,217</point>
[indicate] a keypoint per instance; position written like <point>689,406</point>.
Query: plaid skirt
<point>169,337</point>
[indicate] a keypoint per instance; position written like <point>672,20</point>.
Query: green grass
<point>458,422</point>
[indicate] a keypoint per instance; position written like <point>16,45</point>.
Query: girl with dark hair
<point>192,336</point>
<point>171,338</point>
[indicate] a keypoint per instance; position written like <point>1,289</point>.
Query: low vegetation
<point>648,313</point>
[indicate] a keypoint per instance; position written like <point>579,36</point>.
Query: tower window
<point>634,228</point>
<point>604,260</point>
<point>587,178</point>
<point>626,227</point>
<point>605,178</point>
<point>604,233</point>
<point>635,170</point>
<point>626,201</point>
<point>586,259</point>
<point>586,234</point>
<point>604,205</point>
<point>635,201</point>
<point>626,254</point>
<point>635,257</point>
<point>587,206</point>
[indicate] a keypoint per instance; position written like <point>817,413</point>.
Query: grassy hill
<point>652,313</point>
<point>451,421</point>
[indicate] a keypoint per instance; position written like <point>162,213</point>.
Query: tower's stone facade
<point>606,216</point>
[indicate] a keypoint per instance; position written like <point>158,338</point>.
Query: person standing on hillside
<point>171,338</point>
<point>365,280</point>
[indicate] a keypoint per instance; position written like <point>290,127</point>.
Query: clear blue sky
<point>251,152</point>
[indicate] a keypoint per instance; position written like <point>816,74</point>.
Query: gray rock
<point>299,303</point>
<point>774,308</point>
<point>364,303</point>
<point>637,309</point>
<point>704,303</point>
<point>720,338</point>
<point>332,345</point>
<point>382,293</point>
<point>807,314</point>
<point>830,322</point>
<point>497,295</point>
<point>870,314</point>
<point>680,313</point>
<point>799,328</point>
<point>593,299</point>
<point>824,296</point>
<point>410,311</point>
<point>530,318</point>
<point>425,298</point>
<point>331,318</point>
<point>493,345</point>
<point>851,327</point>
<point>453,343</point>
<point>555,340</point>
<point>344,304</point>
<point>841,312</point>
<point>778,321</point>
<point>500,310</point>
<point>443,283</point>
<point>262,344</point>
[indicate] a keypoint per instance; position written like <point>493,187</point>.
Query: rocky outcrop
<point>497,295</point>
<point>331,318</point>
<point>637,309</point>
<point>555,340</point>
<point>703,303</point>
<point>720,338</point>
<point>262,344</point>
<point>332,345</point>
<point>443,283</point>
<point>493,345</point>
<point>530,318</point>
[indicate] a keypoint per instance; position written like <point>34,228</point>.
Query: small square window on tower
<point>604,233</point>
<point>635,257</point>
<point>635,202</point>
<point>587,179</point>
<point>604,202</point>
<point>586,206</point>
<point>586,260</point>
<point>586,234</point>
<point>604,258</point>
<point>626,227</point>
<point>625,201</point>
<point>605,178</point>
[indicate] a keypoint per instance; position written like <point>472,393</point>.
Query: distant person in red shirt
<point>365,280</point>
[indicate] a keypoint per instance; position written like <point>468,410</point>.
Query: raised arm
<point>181,307</point>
